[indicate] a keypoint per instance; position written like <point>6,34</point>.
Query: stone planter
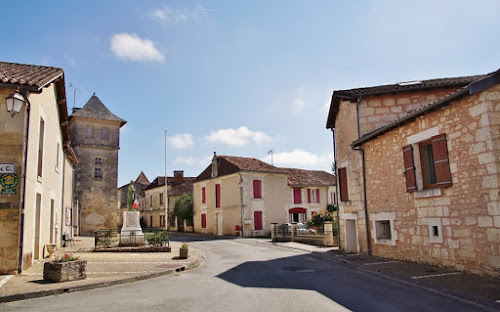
<point>183,253</point>
<point>64,271</point>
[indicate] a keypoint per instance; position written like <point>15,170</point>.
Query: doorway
<point>351,239</point>
<point>38,207</point>
<point>219,224</point>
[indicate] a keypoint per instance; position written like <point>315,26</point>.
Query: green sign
<point>8,191</point>
<point>8,181</point>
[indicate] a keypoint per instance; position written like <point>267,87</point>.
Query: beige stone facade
<point>450,225</point>
<point>240,206</point>
<point>38,209</point>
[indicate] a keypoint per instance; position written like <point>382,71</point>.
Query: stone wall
<point>467,214</point>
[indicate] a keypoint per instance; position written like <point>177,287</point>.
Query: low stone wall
<point>327,239</point>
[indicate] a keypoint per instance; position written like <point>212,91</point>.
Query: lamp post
<point>14,103</point>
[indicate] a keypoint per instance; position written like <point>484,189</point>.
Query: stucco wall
<point>468,212</point>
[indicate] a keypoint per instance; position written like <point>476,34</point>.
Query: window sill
<point>434,192</point>
<point>389,242</point>
<point>57,169</point>
<point>39,179</point>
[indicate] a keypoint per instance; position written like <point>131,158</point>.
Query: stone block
<point>486,158</point>
<point>485,221</point>
<point>493,235</point>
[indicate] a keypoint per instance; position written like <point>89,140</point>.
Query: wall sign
<point>7,168</point>
<point>9,180</point>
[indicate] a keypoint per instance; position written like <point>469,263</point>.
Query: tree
<point>183,208</point>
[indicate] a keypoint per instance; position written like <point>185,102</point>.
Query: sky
<point>241,78</point>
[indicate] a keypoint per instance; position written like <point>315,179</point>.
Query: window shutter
<point>203,195</point>
<point>257,189</point>
<point>203,220</point>
<point>297,196</point>
<point>344,192</point>
<point>411,184</point>
<point>441,162</point>
<point>217,195</point>
<point>317,196</point>
<point>257,216</point>
<point>309,195</point>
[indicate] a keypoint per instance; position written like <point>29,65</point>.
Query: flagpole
<point>167,216</point>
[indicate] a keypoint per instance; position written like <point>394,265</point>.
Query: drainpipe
<point>363,169</point>
<point>241,206</point>
<point>23,189</point>
<point>336,187</point>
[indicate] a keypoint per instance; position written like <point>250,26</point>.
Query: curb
<point>62,290</point>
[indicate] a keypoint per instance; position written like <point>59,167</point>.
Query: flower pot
<point>183,253</point>
<point>64,271</point>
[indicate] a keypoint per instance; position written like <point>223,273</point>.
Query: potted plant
<point>183,251</point>
<point>65,268</point>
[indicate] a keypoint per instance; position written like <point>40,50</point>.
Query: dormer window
<point>214,166</point>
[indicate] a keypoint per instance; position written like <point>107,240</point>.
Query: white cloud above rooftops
<point>131,47</point>
<point>181,141</point>
<point>237,137</point>
<point>300,158</point>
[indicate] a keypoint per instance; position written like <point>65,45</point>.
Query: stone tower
<point>95,138</point>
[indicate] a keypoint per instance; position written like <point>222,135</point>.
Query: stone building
<point>153,206</point>
<point>139,185</point>
<point>36,165</point>
<point>251,194</point>
<point>95,135</point>
<point>418,167</point>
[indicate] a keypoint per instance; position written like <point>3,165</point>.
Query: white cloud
<point>131,47</point>
<point>299,158</point>
<point>190,161</point>
<point>181,141</point>
<point>299,104</point>
<point>169,14</point>
<point>237,137</point>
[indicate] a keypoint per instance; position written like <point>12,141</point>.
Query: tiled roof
<point>142,179</point>
<point>481,83</point>
<point>176,189</point>
<point>232,164</point>
<point>304,178</point>
<point>296,177</point>
<point>353,94</point>
<point>95,109</point>
<point>34,76</point>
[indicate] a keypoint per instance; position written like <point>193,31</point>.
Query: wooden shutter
<point>257,190</point>
<point>441,162</point>
<point>344,192</point>
<point>217,195</point>
<point>203,220</point>
<point>203,195</point>
<point>257,217</point>
<point>309,195</point>
<point>317,196</point>
<point>411,182</point>
<point>297,196</point>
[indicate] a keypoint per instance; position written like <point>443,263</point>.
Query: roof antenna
<point>271,152</point>
<point>74,94</point>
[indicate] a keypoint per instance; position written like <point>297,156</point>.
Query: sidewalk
<point>476,288</point>
<point>103,269</point>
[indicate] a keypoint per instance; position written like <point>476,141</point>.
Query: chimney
<point>178,176</point>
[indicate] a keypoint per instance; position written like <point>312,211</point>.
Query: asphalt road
<point>253,275</point>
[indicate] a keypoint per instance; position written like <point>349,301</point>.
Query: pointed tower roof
<point>95,109</point>
<point>142,179</point>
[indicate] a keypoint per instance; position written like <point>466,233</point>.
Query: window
<point>97,173</point>
<point>433,159</point>
<point>58,155</point>
<point>257,219</point>
<point>257,189</point>
<point>161,198</point>
<point>89,134</point>
<point>203,220</point>
<point>313,196</point>
<point>98,161</point>
<point>40,146</point>
<point>217,195</point>
<point>203,195</point>
<point>150,221</point>
<point>383,229</point>
<point>150,200</point>
<point>344,191</point>
<point>297,196</point>
<point>104,133</point>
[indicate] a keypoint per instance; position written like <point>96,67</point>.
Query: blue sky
<point>241,77</point>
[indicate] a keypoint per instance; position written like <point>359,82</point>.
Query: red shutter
<point>203,195</point>
<point>257,190</point>
<point>317,196</point>
<point>217,195</point>
<point>344,192</point>
<point>411,184</point>
<point>257,217</point>
<point>441,162</point>
<point>309,195</point>
<point>203,220</point>
<point>297,196</point>
<point>313,213</point>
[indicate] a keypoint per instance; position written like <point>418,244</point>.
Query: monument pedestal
<point>131,232</point>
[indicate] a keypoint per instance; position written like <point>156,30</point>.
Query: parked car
<point>301,228</point>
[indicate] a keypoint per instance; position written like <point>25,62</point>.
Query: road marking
<point>384,262</point>
<point>5,280</point>
<point>435,275</point>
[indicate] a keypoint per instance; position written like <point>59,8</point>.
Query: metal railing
<point>117,238</point>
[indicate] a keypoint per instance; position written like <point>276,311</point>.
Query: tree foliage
<point>183,208</point>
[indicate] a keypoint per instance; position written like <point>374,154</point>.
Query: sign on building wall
<point>7,168</point>
<point>9,181</point>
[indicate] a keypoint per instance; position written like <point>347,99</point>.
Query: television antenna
<point>74,94</point>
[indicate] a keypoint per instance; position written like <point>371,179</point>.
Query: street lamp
<point>15,102</point>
